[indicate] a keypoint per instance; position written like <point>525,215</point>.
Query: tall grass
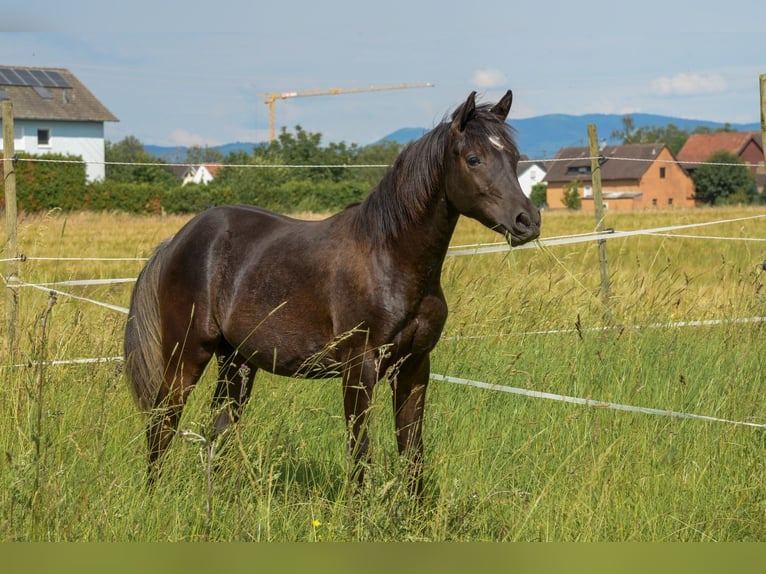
<point>499,466</point>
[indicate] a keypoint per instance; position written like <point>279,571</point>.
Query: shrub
<point>539,195</point>
<point>44,185</point>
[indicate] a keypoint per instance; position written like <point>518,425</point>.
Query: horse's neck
<point>424,240</point>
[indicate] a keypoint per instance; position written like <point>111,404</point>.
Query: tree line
<point>139,182</point>
<point>261,177</point>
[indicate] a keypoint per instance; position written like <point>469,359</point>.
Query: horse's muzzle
<point>525,228</point>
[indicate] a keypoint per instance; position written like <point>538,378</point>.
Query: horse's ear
<point>464,113</point>
<point>502,107</point>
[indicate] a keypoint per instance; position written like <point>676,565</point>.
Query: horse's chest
<point>421,332</point>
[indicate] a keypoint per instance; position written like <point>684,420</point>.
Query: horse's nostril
<point>523,220</point>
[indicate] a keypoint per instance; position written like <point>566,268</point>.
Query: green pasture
<point>500,466</point>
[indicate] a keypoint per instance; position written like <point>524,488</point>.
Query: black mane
<point>409,185</point>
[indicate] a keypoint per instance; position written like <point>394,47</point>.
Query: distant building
<point>55,113</point>
<point>530,174</point>
<point>747,146</point>
<point>203,173</point>
<point>633,176</point>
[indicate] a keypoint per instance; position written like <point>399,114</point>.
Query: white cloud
<point>488,78</point>
<point>688,84</point>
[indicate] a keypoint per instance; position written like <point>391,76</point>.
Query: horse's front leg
<point>358,383</point>
<point>409,397</point>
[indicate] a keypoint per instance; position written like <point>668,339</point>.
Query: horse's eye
<point>473,160</point>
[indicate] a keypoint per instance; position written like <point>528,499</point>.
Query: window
<point>578,170</point>
<point>662,173</point>
<point>43,138</point>
<point>654,201</point>
<point>670,201</point>
<point>43,92</point>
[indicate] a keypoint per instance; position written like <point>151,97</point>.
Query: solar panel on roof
<point>12,78</point>
<point>57,80</point>
<point>41,77</point>
<point>32,78</point>
<point>29,79</point>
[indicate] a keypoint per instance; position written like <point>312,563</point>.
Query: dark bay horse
<point>355,296</point>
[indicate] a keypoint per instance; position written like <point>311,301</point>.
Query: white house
<point>530,173</point>
<point>53,112</point>
<point>200,174</point>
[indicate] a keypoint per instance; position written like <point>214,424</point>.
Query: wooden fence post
<point>763,114</point>
<point>11,222</point>
<point>598,204</point>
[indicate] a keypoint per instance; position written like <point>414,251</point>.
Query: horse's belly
<point>305,363</point>
<point>288,345</point>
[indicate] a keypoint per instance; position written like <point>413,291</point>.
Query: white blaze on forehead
<point>495,141</point>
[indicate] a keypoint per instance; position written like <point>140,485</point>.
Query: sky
<point>192,73</point>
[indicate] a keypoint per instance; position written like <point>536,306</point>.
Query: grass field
<point>500,466</point>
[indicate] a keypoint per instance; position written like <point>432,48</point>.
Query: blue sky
<point>190,73</point>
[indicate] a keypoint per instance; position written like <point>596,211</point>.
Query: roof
<point>574,162</point>
<point>50,94</point>
<point>699,147</point>
<point>212,168</point>
<point>526,165</point>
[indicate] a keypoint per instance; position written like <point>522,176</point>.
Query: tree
<point>128,162</point>
<point>571,198</point>
<point>723,180</point>
<point>199,155</point>
<point>627,131</point>
<point>671,135</point>
<point>539,195</point>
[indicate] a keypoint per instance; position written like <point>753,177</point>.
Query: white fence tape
<point>499,247</point>
<point>587,402</point>
<point>501,388</point>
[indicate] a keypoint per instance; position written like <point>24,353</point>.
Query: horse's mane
<point>410,184</point>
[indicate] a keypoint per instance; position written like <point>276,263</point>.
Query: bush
<point>539,195</point>
<point>142,198</point>
<point>571,198</point>
<point>44,185</point>
<point>724,180</point>
<point>197,198</point>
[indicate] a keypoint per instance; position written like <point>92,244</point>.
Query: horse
<point>355,296</point>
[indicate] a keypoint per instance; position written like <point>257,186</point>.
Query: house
<point>633,176</point>
<point>747,146</point>
<point>204,173</point>
<point>55,113</point>
<point>530,174</point>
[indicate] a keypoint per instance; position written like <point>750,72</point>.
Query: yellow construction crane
<point>270,99</point>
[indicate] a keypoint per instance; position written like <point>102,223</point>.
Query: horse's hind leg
<point>235,383</point>
<point>183,371</point>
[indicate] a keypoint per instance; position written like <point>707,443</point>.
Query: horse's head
<point>481,171</point>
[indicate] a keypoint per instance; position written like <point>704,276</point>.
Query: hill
<point>541,137</point>
<point>538,137</point>
<point>177,154</point>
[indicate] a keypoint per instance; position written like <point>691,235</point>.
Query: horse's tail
<point>144,366</point>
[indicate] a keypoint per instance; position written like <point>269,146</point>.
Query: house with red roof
<point>200,174</point>
<point>748,146</point>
